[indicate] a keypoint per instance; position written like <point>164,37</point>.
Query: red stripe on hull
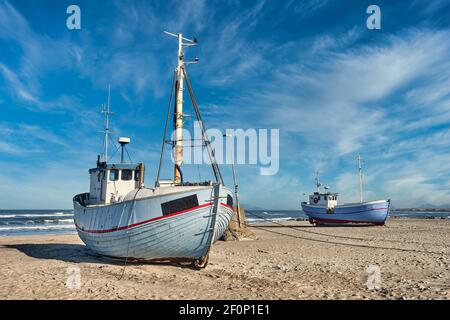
<point>150,220</point>
<point>352,212</point>
<point>226,206</point>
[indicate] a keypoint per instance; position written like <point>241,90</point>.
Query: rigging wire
<point>214,165</point>
<point>129,157</point>
<point>213,210</point>
<point>165,130</point>
<point>115,145</point>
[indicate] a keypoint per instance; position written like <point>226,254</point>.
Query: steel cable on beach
<point>357,238</point>
<point>334,242</point>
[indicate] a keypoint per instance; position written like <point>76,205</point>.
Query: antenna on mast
<point>318,184</point>
<point>106,111</point>
<point>360,173</point>
<point>178,114</point>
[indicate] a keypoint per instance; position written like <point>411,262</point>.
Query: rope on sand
<point>131,214</point>
<point>335,242</point>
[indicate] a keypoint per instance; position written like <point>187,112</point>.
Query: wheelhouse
<point>328,199</point>
<point>111,182</point>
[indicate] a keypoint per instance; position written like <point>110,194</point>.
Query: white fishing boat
<point>173,221</point>
<point>323,207</point>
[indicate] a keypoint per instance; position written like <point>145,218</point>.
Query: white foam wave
<point>59,221</point>
<point>253,220</point>
<point>27,215</point>
<point>41,227</point>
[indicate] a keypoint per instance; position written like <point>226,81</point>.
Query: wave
<point>30,215</point>
<point>40,227</point>
<point>59,221</point>
<point>256,220</point>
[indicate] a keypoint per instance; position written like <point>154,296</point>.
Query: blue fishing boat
<point>323,207</point>
<point>175,220</point>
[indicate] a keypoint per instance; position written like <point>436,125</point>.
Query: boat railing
<point>194,184</point>
<point>82,199</point>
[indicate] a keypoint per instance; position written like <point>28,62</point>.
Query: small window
<point>136,175</point>
<point>114,175</point>
<point>180,204</point>
<point>127,175</point>
<point>324,197</point>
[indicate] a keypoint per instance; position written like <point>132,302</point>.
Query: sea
<point>30,222</point>
<point>35,222</point>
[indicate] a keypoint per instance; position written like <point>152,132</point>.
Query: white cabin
<point>110,183</point>
<point>328,200</point>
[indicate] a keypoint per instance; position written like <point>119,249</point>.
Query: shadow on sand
<point>78,253</point>
<point>66,252</point>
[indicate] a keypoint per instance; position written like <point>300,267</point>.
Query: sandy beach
<point>293,261</point>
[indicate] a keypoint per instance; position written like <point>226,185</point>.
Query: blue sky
<point>309,68</point>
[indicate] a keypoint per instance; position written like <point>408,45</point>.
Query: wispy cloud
<point>33,61</point>
<point>18,87</point>
<point>307,7</point>
<point>369,99</point>
<point>8,148</point>
<point>21,138</point>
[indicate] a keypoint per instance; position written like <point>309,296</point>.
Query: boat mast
<point>106,111</point>
<point>317,182</point>
<point>360,178</point>
<point>178,114</point>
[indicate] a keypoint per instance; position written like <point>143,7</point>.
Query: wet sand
<point>292,261</point>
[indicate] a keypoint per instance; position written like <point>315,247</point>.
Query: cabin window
<point>136,175</point>
<point>179,204</point>
<point>324,197</point>
<point>127,175</point>
<point>114,175</point>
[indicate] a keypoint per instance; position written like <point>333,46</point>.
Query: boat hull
<point>139,230</point>
<point>374,212</point>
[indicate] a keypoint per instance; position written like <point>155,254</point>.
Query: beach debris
<point>238,229</point>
